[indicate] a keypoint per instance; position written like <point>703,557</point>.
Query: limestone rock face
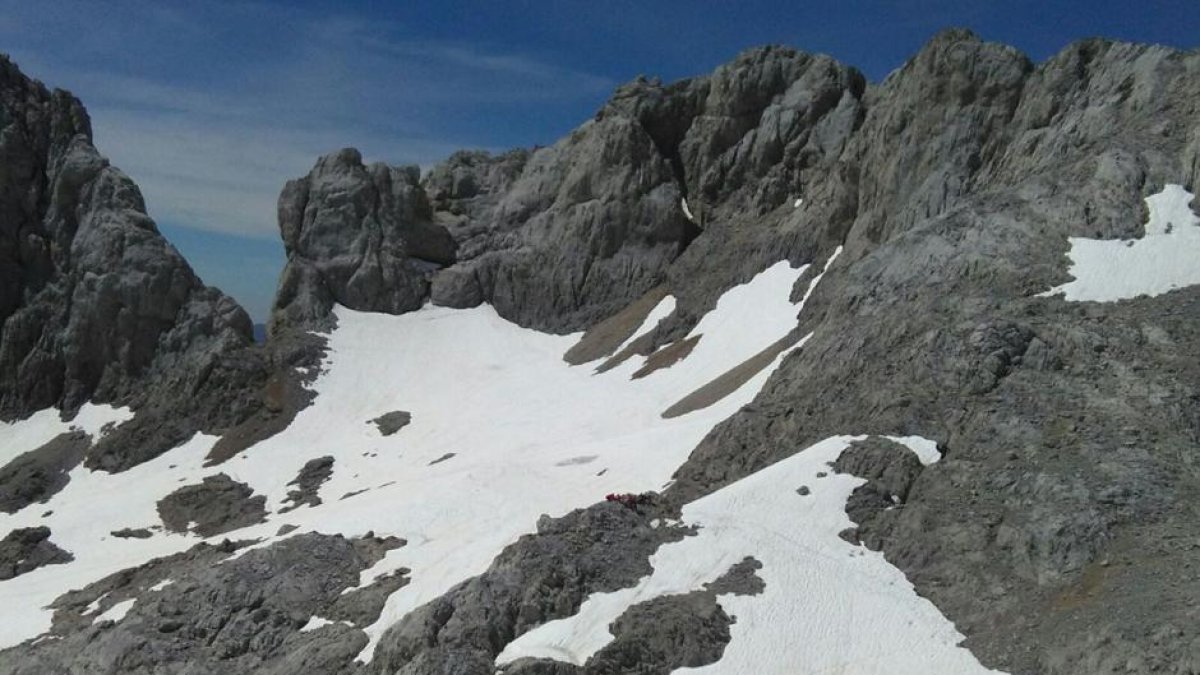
<point>92,298</point>
<point>357,236</point>
<point>95,305</point>
<point>571,233</point>
<point>954,204</point>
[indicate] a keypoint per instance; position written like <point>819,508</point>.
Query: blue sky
<point>211,106</point>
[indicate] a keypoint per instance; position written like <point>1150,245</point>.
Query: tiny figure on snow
<point>630,500</point>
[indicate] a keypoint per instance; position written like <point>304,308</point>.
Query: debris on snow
<point>116,612</point>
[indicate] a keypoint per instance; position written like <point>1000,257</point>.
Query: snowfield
<point>503,431</point>
<point>1161,261</point>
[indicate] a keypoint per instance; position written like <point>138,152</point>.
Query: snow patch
<point>117,611</point>
<point>94,606</point>
<point>812,285</point>
<point>95,420</point>
<point>1161,261</point>
<point>319,622</point>
<point>687,212</point>
<point>160,585</point>
<point>829,605</point>
<point>925,450</point>
<point>747,319</point>
<point>662,310</point>
<point>796,204</point>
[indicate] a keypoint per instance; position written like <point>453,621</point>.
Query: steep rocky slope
<point>92,296</point>
<point>95,305</point>
<point>1070,429</point>
<point>1058,530</point>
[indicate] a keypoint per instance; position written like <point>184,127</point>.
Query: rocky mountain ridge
<point>1057,530</point>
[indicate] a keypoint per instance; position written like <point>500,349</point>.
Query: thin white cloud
<point>226,176</point>
<point>211,107</point>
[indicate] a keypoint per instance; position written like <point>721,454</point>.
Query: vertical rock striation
<point>357,236</point>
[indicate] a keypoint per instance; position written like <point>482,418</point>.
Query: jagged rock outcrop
<point>216,505</point>
<point>199,611</point>
<point>561,237</point>
<point>96,305</point>
<point>26,549</point>
<point>540,577</point>
<point>588,225</point>
<point>1068,430</point>
<point>357,236</point>
<point>597,220</point>
<point>91,296</point>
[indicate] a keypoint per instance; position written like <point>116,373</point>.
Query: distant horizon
<point>212,108</point>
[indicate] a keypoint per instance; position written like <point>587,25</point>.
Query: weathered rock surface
<point>1054,523</point>
<point>239,616</point>
<point>390,423</point>
<point>215,505</point>
<point>663,634</point>
<point>595,221</point>
<point>541,577</point>
<point>890,470</point>
<point>91,296</point>
<point>96,305</point>
<point>362,237</point>
<point>26,549</point>
<point>274,391</point>
<point>39,474</point>
<point>308,483</point>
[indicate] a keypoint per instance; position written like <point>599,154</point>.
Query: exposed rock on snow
<point>131,533</point>
<point>308,482</point>
<point>890,471</point>
<point>858,611</point>
<point>39,452</point>
<point>27,549</point>
<point>38,474</point>
<point>662,634</point>
<point>217,504</point>
<point>390,423</point>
